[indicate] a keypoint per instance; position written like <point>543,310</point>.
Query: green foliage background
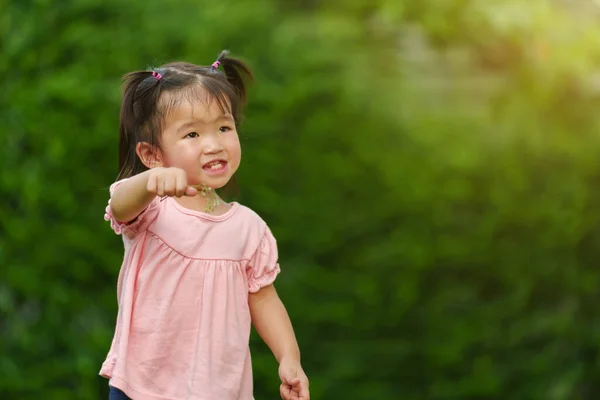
<point>429,168</point>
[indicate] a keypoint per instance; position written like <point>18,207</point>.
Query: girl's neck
<point>204,203</point>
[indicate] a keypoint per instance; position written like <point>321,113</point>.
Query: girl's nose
<point>212,146</point>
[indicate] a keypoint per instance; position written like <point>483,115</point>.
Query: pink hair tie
<point>216,64</point>
<point>156,75</point>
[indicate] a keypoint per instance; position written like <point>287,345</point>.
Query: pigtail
<point>237,73</point>
<point>140,96</point>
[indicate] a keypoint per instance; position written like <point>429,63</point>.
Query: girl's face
<point>200,139</point>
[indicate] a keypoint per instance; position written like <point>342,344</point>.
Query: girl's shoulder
<point>248,214</point>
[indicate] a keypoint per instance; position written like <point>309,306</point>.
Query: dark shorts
<point>116,394</point>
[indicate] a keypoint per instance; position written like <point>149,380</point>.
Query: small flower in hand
<point>294,382</point>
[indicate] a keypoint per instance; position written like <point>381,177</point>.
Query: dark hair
<point>144,107</point>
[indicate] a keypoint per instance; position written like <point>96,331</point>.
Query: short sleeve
<point>263,267</point>
<point>130,228</point>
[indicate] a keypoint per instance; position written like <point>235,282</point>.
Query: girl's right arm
<point>132,196</point>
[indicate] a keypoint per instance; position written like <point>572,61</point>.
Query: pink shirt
<point>183,326</point>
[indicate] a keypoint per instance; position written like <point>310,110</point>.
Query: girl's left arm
<point>271,321</point>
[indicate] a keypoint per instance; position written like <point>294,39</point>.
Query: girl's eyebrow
<point>224,117</point>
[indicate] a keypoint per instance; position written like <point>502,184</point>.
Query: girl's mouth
<point>215,166</point>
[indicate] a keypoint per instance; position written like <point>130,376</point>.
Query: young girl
<point>197,271</point>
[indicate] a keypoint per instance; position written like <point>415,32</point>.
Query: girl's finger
<point>294,382</point>
<point>285,391</point>
<point>303,392</point>
<point>170,183</point>
<point>151,185</point>
<point>160,186</point>
<point>190,191</point>
<point>180,185</point>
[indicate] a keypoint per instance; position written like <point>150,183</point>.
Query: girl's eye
<point>192,135</point>
<point>224,129</point>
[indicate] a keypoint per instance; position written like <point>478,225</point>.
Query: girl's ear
<point>150,155</point>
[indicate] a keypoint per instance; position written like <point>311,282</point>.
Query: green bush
<point>428,169</point>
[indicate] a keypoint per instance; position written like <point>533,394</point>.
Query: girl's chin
<point>214,181</point>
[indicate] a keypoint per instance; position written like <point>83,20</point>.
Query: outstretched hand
<point>294,382</point>
<point>169,182</point>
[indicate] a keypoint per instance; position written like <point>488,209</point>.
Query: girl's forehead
<point>194,103</point>
<point>205,112</point>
